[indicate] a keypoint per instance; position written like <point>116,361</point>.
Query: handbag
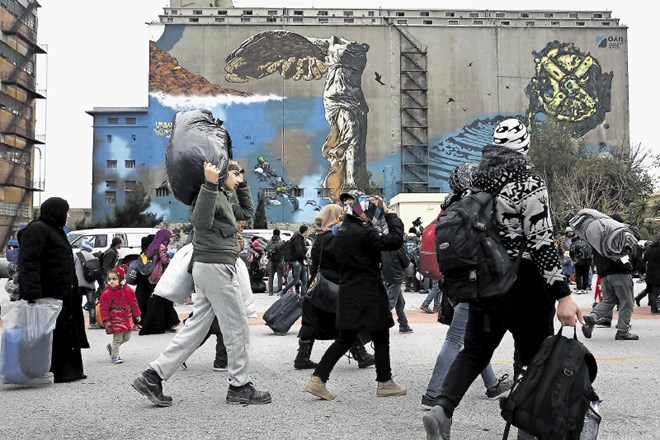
<point>321,292</point>
<point>445,311</point>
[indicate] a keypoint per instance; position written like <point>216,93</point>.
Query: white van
<point>131,240</point>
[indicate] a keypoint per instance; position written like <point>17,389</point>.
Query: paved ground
<point>105,406</point>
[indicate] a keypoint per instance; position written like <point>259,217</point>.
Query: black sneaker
<point>627,336</point>
<point>146,386</point>
<point>588,327</point>
<point>503,385</point>
<point>217,366</point>
<point>405,329</point>
<point>247,395</point>
<point>429,402</point>
<point>604,322</point>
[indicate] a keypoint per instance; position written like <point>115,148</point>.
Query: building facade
<point>321,100</point>
<point>18,95</point>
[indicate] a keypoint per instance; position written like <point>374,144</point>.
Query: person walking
<point>217,290</point>
<point>298,264</point>
<point>527,310</point>
<point>46,269</point>
<point>119,312</point>
<point>275,262</point>
<point>318,324</point>
<point>394,263</point>
<point>86,288</point>
<point>581,255</point>
<point>110,257</point>
<point>362,302</point>
<point>652,258</point>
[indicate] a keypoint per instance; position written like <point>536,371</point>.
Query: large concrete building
<point>18,95</point>
<point>319,100</point>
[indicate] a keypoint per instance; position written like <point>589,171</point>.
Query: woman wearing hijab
<point>362,303</point>
<point>46,270</point>
<point>160,316</point>
<point>317,323</point>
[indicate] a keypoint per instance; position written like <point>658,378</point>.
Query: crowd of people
<point>359,245</point>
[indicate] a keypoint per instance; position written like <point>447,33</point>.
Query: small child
<point>119,310</point>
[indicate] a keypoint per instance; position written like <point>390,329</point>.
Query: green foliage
<point>260,220</point>
<point>610,182</point>
<point>362,178</point>
<point>131,214</point>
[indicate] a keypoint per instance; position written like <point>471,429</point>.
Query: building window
<point>402,21</point>
<point>554,23</point>
<point>110,197</point>
<point>272,12</point>
<point>162,191</point>
<point>424,14</point>
<point>245,12</point>
<point>324,193</point>
<point>245,19</point>
<point>478,22</point>
<point>111,164</point>
<point>297,19</point>
<point>175,12</point>
<point>193,20</point>
<point>349,20</point>
<point>322,13</point>
<point>197,12</point>
<point>598,15</point>
<point>572,15</point>
<point>505,23</point>
<point>131,121</point>
<point>298,13</point>
<point>605,23</point>
<point>524,15</point>
<point>297,192</point>
<point>111,185</point>
<point>113,121</point>
<point>323,20</point>
<point>474,15</point>
<point>549,15</point>
<point>268,193</point>
<point>109,137</point>
<point>454,22</point>
<point>130,163</point>
<point>348,13</point>
<point>130,185</point>
<point>428,22</point>
<point>579,23</point>
<point>500,15</point>
<point>529,23</point>
<point>219,19</point>
<point>450,14</point>
<point>269,19</point>
<point>370,13</point>
<point>400,14</point>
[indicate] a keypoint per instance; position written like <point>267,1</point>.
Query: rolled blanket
<point>609,237</point>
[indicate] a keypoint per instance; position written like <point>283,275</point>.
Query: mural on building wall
<point>298,57</point>
<point>568,87</point>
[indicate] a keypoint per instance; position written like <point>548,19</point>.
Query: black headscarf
<point>53,212</point>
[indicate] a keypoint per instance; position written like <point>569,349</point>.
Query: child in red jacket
<point>119,310</point>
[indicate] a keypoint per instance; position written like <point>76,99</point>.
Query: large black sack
<point>196,138</point>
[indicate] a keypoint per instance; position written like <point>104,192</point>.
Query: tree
<point>260,220</point>
<point>132,213</point>
<point>608,181</point>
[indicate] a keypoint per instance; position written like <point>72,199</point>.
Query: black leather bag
<point>321,292</point>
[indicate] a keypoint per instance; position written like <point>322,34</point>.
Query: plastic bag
<point>176,283</point>
<point>196,138</point>
<point>27,343</point>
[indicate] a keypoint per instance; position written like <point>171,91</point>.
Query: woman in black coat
<point>47,270</point>
<point>362,304</point>
<point>318,323</point>
<point>652,258</point>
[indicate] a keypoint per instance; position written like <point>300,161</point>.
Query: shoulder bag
<point>321,292</point>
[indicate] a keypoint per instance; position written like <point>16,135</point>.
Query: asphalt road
<point>104,406</point>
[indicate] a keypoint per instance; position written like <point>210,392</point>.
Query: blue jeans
<point>299,274</point>
<point>397,302</point>
<point>433,295</point>
<point>450,348</point>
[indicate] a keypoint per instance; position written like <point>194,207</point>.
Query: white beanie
<point>513,134</point>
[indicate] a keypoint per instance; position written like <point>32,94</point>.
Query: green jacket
<point>214,219</point>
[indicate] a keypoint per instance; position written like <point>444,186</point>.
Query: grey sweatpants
<point>217,294</point>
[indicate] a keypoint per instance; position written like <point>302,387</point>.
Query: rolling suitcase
<point>283,313</point>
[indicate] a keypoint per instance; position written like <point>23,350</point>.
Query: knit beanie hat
<point>121,273</point>
<point>369,209</point>
<point>513,134</point>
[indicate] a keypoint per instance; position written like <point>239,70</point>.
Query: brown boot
<point>389,388</point>
<point>317,387</point>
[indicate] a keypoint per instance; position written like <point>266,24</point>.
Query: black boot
<point>361,355</point>
<point>302,361</point>
<point>639,298</point>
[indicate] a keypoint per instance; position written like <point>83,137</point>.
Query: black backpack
<point>274,251</point>
<point>551,398</point>
<point>472,259</point>
<point>288,251</point>
<point>583,252</point>
<point>91,268</point>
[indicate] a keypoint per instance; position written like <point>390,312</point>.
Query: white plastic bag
<point>246,288</point>
<point>27,342</point>
<point>176,283</point>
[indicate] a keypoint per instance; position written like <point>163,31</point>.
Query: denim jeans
<point>397,302</point>
<point>434,295</point>
<point>91,303</point>
<point>450,348</point>
<point>299,274</point>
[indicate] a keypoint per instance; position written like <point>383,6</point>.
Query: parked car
<point>131,239</point>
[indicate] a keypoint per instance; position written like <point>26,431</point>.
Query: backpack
<point>92,270</point>
<point>475,264</point>
<point>288,251</point>
<point>274,251</point>
<point>583,252</point>
<point>552,397</point>
<point>146,266</point>
<point>428,260</point>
